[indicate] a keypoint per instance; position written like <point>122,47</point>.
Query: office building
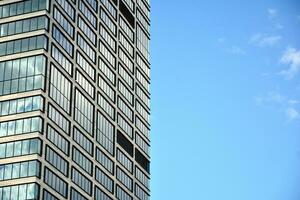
<point>74,99</point>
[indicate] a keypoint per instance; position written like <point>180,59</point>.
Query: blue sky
<point>225,100</point>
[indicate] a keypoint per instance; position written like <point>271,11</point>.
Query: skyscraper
<point>74,99</point>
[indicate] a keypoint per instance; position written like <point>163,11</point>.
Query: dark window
<point>127,14</point>
<point>125,143</point>
<point>142,160</point>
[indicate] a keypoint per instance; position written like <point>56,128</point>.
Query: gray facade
<point>74,99</point>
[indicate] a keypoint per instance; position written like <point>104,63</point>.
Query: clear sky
<point>225,100</point>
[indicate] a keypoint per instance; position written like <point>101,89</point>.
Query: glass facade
<point>74,99</point>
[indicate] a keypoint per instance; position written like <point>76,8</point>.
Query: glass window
<point>2,150</point>
<point>26,125</point>
<point>4,29</point>
<point>104,180</point>
<point>69,10</point>
<point>27,104</point>
<point>84,112</point>
<point>59,119</point>
<point>11,28</point>
<point>101,195</point>
<point>34,146</point>
<point>27,6</point>
<point>18,148</point>
<point>85,84</point>
<point>62,60</point>
<point>121,194</point>
<point>19,126</point>
<point>10,149</point>
<point>13,9</point>
<point>31,192</point>
<point>19,27</point>
<point>2,48</point>
<point>5,11</point>
<point>63,22</point>
<point>87,49</point>
<point>23,26</point>
<point>87,13</point>
<point>57,161</point>
<point>7,171</point>
<point>20,170</point>
<point>15,70</point>
<point>105,133</point>
<point>26,191</point>
<point>62,40</point>
<point>83,141</point>
<point>11,127</point>
<point>83,182</point>
<point>16,170</point>
<point>60,89</point>
<point>58,140</point>
<point>9,48</point>
<point>25,147</point>
<point>26,25</point>
<point>108,21</point>
<point>20,8</point>
<point>35,5</point>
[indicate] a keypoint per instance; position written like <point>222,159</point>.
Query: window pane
<point>14,192</point>
<point>41,22</point>
<point>15,71</point>
<point>29,83</point>
<point>25,147</point>
<point>4,29</point>
<point>22,191</point>
<point>20,7</point>
<point>32,43</point>
<point>23,67</point>
<point>10,48</point>
<point>24,169</point>
<point>2,49</point>
<point>3,129</point>
<point>26,25</point>
<point>38,82</point>
<point>5,107</point>
<point>11,28</point>
<point>20,105</point>
<point>9,149</point>
<point>6,193</point>
<point>8,70</point>
<point>11,128</point>
<point>19,26</point>
<point>27,6</point>
<point>32,168</point>
<point>2,150</point>
<point>5,11</point>
<point>35,5</point>
<point>31,191</point>
<point>33,24</point>
<point>24,44</point>
<point>1,172</point>
<point>34,146</point>
<point>17,46</point>
<point>13,9</point>
<point>8,171</point>
<point>26,125</point>
<point>13,107</point>
<point>28,104</point>
<point>16,170</point>
<point>19,126</point>
<point>18,148</point>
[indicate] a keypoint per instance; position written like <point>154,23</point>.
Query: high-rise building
<point>74,99</point>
